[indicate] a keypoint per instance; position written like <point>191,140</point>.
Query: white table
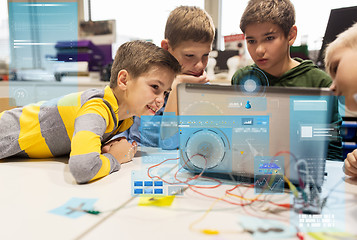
<point>30,189</point>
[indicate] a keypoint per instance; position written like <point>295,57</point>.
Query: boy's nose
<point>199,65</point>
<point>260,50</point>
<point>160,100</point>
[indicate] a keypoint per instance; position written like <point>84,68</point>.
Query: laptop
<point>227,131</point>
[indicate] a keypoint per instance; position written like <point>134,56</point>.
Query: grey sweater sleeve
<point>89,129</point>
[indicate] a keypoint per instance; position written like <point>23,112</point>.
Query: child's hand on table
<point>185,78</point>
<point>351,164</point>
<point>121,149</point>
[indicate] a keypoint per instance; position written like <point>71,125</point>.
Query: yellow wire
<point>243,198</point>
<point>292,187</point>
<point>207,230</point>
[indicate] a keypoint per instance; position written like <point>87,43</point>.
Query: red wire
<point>211,187</point>
<point>209,196</point>
<point>148,172</point>
<point>187,180</point>
<point>285,205</point>
<point>242,204</point>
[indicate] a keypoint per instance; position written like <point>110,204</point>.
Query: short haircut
<point>187,23</point>
<point>346,39</point>
<point>137,57</point>
<point>279,12</point>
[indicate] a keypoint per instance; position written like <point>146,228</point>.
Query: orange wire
<point>187,180</point>
<point>228,192</point>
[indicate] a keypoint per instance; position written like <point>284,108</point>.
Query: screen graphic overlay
<point>269,175</point>
<point>35,28</point>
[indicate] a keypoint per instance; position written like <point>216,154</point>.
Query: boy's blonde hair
<point>279,12</point>
<point>189,23</point>
<point>346,39</point>
<point>137,57</point>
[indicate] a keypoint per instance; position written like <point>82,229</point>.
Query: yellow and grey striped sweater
<point>77,123</point>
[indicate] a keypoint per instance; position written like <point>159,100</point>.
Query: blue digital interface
<point>211,142</point>
<point>252,103</point>
<point>310,133</point>
<point>268,174</point>
<point>35,28</point>
<point>143,185</point>
<point>159,131</point>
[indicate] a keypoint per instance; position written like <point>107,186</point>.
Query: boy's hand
<point>185,78</point>
<point>351,164</point>
<point>171,104</point>
<point>121,149</point>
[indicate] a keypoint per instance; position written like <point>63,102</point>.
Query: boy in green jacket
<point>269,30</point>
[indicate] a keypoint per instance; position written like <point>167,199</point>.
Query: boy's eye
<point>269,38</point>
<point>156,87</point>
<point>250,41</point>
<point>334,70</point>
<point>189,55</point>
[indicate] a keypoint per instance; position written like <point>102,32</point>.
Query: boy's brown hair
<point>279,12</point>
<point>189,23</point>
<point>137,57</point>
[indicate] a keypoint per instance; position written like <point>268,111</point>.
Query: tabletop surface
<point>39,200</point>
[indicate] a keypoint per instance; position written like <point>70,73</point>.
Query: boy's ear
<point>292,35</point>
<point>165,44</point>
<point>122,79</point>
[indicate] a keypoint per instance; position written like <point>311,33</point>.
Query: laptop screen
<point>283,131</point>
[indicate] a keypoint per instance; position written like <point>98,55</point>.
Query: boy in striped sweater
<point>80,123</point>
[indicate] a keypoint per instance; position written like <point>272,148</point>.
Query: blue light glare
<point>253,82</point>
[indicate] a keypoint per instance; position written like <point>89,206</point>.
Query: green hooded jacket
<point>306,74</point>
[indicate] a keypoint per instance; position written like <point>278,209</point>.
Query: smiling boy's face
<point>343,71</point>
<point>146,93</point>
<point>192,56</point>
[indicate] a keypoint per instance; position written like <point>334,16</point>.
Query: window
<point>137,19</point>
<point>311,18</point>
<point>4,32</point>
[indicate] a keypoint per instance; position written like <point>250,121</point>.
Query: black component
<point>222,58</point>
<point>59,75</point>
<point>105,72</point>
<point>340,19</point>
